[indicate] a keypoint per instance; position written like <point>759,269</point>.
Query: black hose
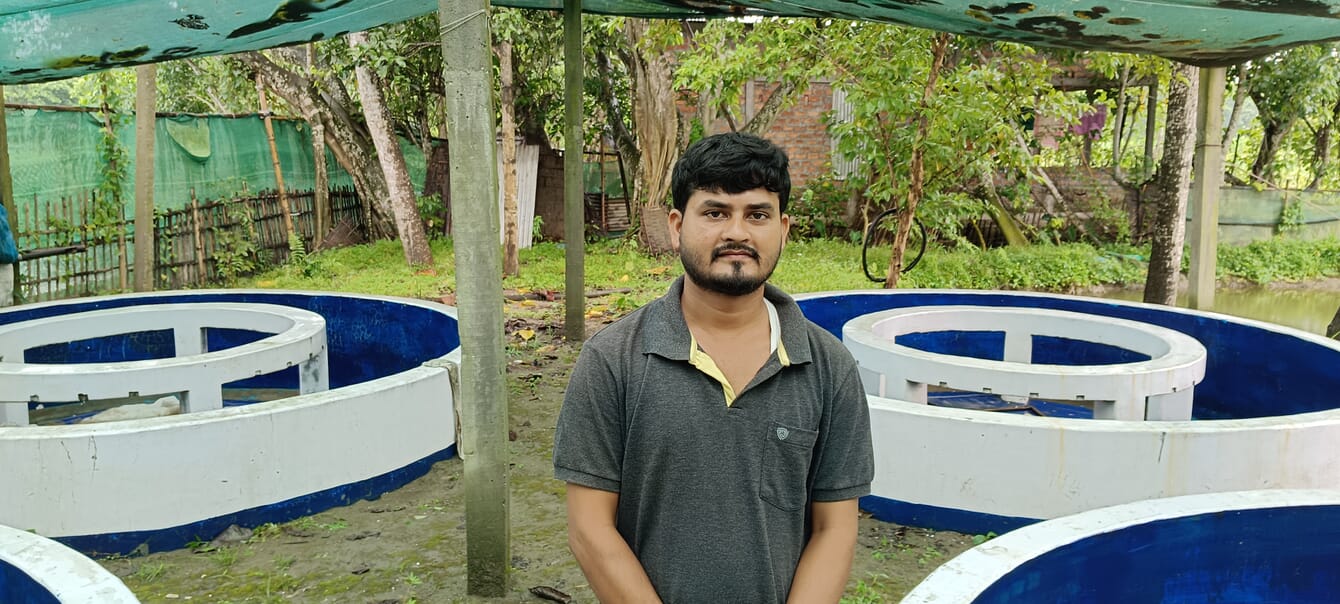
<point>870,236</point>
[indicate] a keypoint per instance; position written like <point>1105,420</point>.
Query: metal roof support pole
<point>574,205</point>
<point>146,93</point>
<point>1206,178</point>
<point>7,196</point>
<point>468,78</point>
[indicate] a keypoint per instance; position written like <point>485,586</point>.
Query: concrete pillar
<point>146,90</point>
<point>7,283</point>
<point>906,390</point>
<point>1018,347</point>
<point>467,77</point>
<point>196,400</point>
<point>14,414</point>
<point>1207,176</point>
<point>1174,406</point>
<point>188,340</point>
<point>574,204</point>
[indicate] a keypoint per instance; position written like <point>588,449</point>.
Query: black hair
<point>732,163</point>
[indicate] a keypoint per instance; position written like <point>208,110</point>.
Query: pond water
<point>1308,309</point>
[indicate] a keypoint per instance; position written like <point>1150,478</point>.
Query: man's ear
<point>676,221</point>
<point>786,227</point>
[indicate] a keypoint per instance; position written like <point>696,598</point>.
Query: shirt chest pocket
<point>786,465</point>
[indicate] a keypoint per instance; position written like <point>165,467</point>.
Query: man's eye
<point>759,216</point>
<point>713,214</point>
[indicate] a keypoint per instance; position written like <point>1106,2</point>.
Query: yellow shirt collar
<point>705,364</point>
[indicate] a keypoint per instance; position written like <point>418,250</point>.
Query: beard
<point>737,282</point>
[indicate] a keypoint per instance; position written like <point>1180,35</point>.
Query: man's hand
<point>614,572</point>
<point>826,562</point>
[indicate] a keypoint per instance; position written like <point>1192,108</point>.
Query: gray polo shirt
<point>713,499</point>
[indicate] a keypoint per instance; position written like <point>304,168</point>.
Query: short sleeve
<point>588,440</point>
<point>844,462</point>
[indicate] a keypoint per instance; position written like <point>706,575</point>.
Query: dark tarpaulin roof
<point>53,39</point>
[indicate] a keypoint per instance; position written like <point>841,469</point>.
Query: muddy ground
<point>409,545</point>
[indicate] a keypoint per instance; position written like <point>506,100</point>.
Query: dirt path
<point>409,545</point>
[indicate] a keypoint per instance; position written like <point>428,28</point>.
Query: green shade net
<point>55,154</point>
<point>53,39</point>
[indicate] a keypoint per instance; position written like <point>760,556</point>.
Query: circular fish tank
<point>318,416</point>
<point>1253,546</point>
<point>1264,416</point>
<point>37,570</point>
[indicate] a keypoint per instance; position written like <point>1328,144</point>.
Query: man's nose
<point>736,229</point>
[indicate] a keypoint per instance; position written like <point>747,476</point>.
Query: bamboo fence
<point>64,255</point>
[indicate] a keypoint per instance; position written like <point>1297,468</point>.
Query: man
<point>714,441</point>
<point>9,257</point>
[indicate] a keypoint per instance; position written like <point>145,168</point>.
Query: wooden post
<point>1207,175</point>
<point>468,81</point>
<point>574,214</point>
<point>199,240</point>
<point>274,157</point>
<point>7,196</point>
<point>146,90</point>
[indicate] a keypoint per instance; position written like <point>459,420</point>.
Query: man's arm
<point>609,565</point>
<point>825,564</point>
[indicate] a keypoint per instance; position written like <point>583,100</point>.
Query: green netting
<point>55,154</point>
<point>53,39</point>
<point>1244,206</point>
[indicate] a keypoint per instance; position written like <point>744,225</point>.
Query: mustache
<point>734,247</point>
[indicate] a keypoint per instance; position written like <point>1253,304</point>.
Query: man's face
<point>729,243</point>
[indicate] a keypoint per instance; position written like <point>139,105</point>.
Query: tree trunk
<point>624,139</point>
<point>707,111</point>
<point>348,140</point>
<point>1171,186</point>
<point>995,206</point>
<point>1240,95</point>
<point>407,221</point>
<point>1273,133</point>
<point>511,263</point>
<point>655,118</point>
<point>1119,126</point>
<point>1321,148</point>
<point>280,191</point>
<point>782,96</point>
<point>916,171</point>
<point>321,188</point>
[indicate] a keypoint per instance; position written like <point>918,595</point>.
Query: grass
<point>806,266</point>
<point>872,590</point>
<point>149,572</point>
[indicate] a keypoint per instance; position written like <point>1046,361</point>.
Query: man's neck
<point>714,311</point>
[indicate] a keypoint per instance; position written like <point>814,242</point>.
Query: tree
<point>656,120</point>
<point>206,85</point>
<point>727,54</point>
<point>507,95</point>
<point>929,113</point>
<point>1171,186</point>
<point>323,98</point>
<point>1288,88</point>
<point>407,221</point>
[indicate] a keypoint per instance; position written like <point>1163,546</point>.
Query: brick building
<point>801,129</point>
